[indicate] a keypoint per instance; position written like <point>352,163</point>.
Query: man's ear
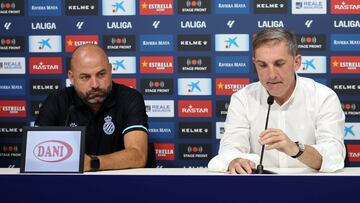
<point>71,76</point>
<point>297,62</point>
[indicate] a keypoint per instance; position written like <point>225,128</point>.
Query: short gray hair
<point>278,35</point>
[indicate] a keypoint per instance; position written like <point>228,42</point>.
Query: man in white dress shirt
<point>306,121</point>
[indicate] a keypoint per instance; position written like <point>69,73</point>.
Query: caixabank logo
<point>35,107</point>
<point>12,87</point>
<point>12,7</point>
<point>315,42</point>
<point>228,86</point>
<point>118,7</point>
<point>194,6</point>
<point>351,109</point>
<point>313,64</point>
<point>130,82</point>
<point>195,151</point>
<point>12,44</point>
<point>13,108</point>
<point>195,108</point>
<point>11,129</point>
<point>345,7</point>
<point>270,6</point>
<point>155,7</point>
<point>194,86</point>
<point>352,131</point>
<point>45,65</point>
<point>232,64</point>
<point>81,8</point>
<point>156,64</point>
<point>123,64</point>
<point>222,108</point>
<point>45,86</point>
<point>156,43</point>
<point>193,42</point>
<point>10,150</point>
<point>346,86</point>
<point>236,7</point>
<point>74,41</point>
<point>12,65</point>
<point>345,64</point>
<point>164,151</point>
<point>157,86</point>
<point>194,64</point>
<point>345,42</point>
<point>119,42</point>
<point>44,8</point>
<point>231,42</point>
<point>195,130</point>
<point>161,130</point>
<point>45,44</point>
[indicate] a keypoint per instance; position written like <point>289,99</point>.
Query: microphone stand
<point>260,168</point>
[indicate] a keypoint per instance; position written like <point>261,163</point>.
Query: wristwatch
<point>301,148</point>
<point>94,163</point>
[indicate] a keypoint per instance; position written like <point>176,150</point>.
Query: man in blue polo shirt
<point>114,115</point>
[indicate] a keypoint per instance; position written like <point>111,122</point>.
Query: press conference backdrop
<point>185,56</point>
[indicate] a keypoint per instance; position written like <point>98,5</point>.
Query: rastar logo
<point>195,108</point>
<point>345,64</point>
<point>52,151</point>
<point>354,152</point>
<point>155,7</point>
<point>73,41</point>
<point>345,7</point>
<point>228,86</point>
<point>45,65</point>
<point>156,64</point>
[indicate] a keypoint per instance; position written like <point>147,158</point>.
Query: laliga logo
<point>52,151</point>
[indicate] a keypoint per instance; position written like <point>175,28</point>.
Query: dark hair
<point>278,35</point>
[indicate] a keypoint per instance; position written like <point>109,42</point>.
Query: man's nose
<point>94,83</point>
<point>272,72</point>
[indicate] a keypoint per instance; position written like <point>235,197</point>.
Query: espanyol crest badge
<point>108,126</point>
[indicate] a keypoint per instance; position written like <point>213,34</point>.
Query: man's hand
<point>277,139</point>
<point>87,160</point>
<point>242,166</point>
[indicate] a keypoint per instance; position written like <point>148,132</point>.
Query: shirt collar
<point>266,94</point>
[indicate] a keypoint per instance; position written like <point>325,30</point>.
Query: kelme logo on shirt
<point>108,126</point>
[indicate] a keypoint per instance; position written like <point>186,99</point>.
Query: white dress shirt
<point>312,115</point>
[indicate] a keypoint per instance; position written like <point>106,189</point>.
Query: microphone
<point>69,111</point>
<point>260,167</point>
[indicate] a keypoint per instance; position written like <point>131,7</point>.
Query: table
<point>180,185</point>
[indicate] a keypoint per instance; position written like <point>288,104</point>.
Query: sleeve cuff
<point>134,127</point>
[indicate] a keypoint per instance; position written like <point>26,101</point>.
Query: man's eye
<point>102,74</point>
<point>280,64</point>
<point>84,77</point>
